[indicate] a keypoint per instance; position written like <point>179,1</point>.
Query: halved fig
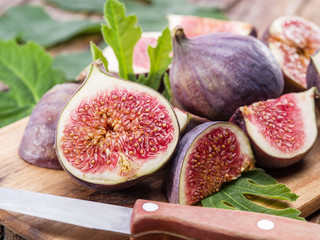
<point>207,156</point>
<point>313,74</point>
<point>283,130</point>
<point>196,26</point>
<point>292,40</point>
<point>113,131</point>
<point>37,144</point>
<point>141,62</point>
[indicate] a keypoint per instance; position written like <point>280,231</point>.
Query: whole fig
<point>212,75</point>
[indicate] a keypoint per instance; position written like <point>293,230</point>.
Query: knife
<point>157,220</point>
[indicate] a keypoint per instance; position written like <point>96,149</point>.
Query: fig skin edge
<point>128,183</point>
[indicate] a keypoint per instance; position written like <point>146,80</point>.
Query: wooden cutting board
<point>302,178</point>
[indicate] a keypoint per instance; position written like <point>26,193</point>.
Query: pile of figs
<point>237,102</point>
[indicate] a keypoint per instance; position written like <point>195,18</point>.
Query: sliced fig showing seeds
<point>113,132</point>
<point>37,144</point>
<point>196,26</point>
<point>292,40</point>
<point>207,156</point>
<point>283,130</point>
<point>212,75</point>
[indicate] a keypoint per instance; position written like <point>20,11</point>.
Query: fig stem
<point>179,35</point>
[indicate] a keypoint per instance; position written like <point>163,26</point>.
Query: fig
<point>313,74</point>
<point>212,75</point>
<point>114,132</point>
<point>292,40</point>
<point>37,144</point>
<point>141,62</point>
<point>283,130</point>
<point>187,120</point>
<point>195,26</point>
<point>207,156</point>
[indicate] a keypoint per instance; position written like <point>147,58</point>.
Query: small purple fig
<point>207,156</point>
<point>212,75</point>
<point>37,144</point>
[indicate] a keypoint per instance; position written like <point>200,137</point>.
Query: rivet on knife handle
<point>208,223</point>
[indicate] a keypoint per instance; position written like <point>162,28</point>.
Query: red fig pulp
<point>292,40</point>
<point>283,130</point>
<point>196,26</point>
<point>113,131</point>
<point>212,75</point>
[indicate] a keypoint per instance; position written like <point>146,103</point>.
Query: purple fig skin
<point>37,145</point>
<point>313,76</point>
<point>212,75</point>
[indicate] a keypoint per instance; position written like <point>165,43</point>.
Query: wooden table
<point>258,12</point>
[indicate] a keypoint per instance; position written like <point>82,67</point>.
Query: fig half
<point>292,40</point>
<point>207,156</point>
<point>113,131</point>
<point>283,130</point>
<point>196,26</point>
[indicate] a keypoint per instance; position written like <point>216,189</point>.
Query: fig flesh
<point>212,75</point>
<point>37,144</point>
<point>313,74</point>
<point>283,130</point>
<point>207,156</point>
<point>196,26</point>
<point>292,40</point>
<point>113,132</point>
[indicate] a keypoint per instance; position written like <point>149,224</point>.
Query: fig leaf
<point>97,53</point>
<point>32,23</point>
<point>159,60</point>
<point>151,13</point>
<point>121,33</point>
<point>72,63</point>
<point>27,72</point>
<point>167,88</point>
<point>255,191</point>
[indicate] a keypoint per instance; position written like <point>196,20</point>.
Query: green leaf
<point>151,13</point>
<point>254,191</point>
<point>72,63</point>
<point>159,60</point>
<point>80,5</point>
<point>121,33</point>
<point>167,88</point>
<point>27,71</point>
<point>97,53</point>
<point>32,23</point>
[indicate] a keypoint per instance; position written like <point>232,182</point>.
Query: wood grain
<point>302,178</point>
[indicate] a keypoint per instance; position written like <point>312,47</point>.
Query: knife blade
<point>157,219</point>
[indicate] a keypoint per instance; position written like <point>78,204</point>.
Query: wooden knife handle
<point>172,221</point>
